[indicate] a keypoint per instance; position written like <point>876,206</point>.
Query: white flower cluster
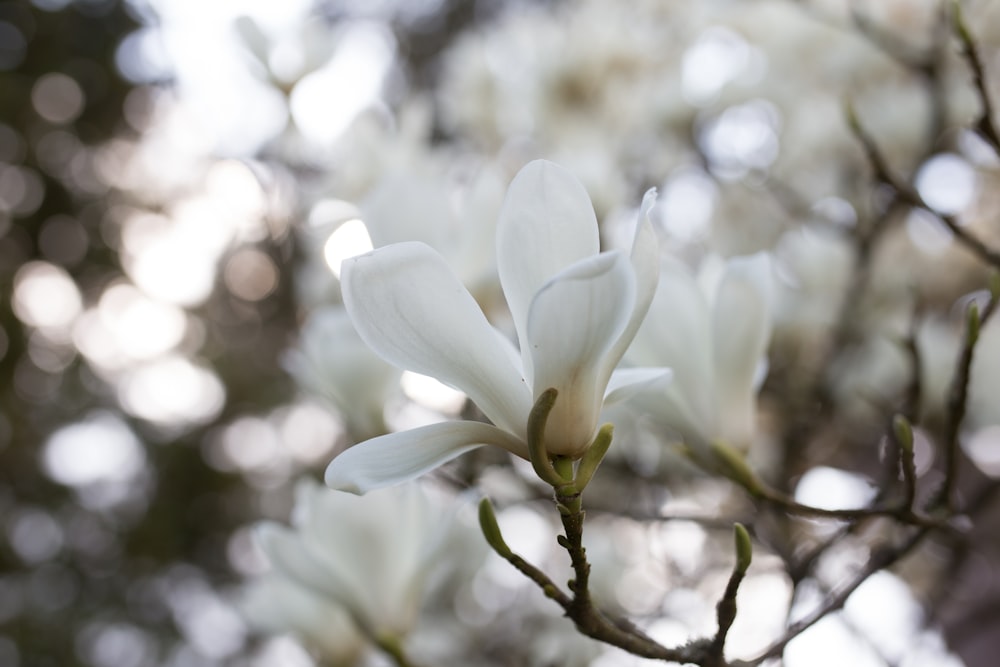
<point>805,282</point>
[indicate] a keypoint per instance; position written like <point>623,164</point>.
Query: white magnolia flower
<point>378,557</point>
<point>714,345</point>
<point>575,311</point>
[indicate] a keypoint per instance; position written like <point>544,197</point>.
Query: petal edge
<point>399,457</point>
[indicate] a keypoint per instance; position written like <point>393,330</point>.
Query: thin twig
<point>985,125</point>
<point>957,402</point>
<point>726,608</point>
<point>588,619</point>
<point>879,560</point>
<point>739,472</point>
<point>909,195</point>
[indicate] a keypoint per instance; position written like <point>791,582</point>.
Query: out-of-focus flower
<point>458,221</point>
<point>287,57</point>
<point>755,91</point>
<point>378,558</point>
<point>594,91</point>
<point>277,604</point>
<point>714,344</point>
<point>575,311</point>
<point>332,361</point>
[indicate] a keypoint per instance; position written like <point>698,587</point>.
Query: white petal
<point>478,212</point>
<point>290,555</point>
<point>677,333</point>
<point>332,361</point>
<point>627,382</point>
<point>546,224</point>
<point>377,539</point>
<point>645,259</point>
<point>413,311</point>
<point>573,325</point>
<point>398,457</point>
<point>408,206</point>
<point>672,410</point>
<point>277,605</point>
<point>741,331</point>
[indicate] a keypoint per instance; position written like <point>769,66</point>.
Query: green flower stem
<point>957,402</point>
<point>392,647</point>
<point>564,468</point>
<point>572,514</point>
<point>578,605</point>
<point>389,644</point>
<point>726,608</point>
<point>903,433</point>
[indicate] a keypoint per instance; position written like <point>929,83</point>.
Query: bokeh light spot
<point>21,190</point>
<point>98,449</point>
<point>172,390</point>
<point>34,535</point>
<point>141,327</point>
<point>742,137</point>
<point>115,645</point>
<point>57,98</point>
<point>46,297</point>
<point>830,488</point>
<point>250,274</point>
<point>947,183</point>
<point>717,58</point>
<point>431,393</point>
<point>688,201</point>
<point>142,58</point>
<point>983,447</point>
<point>251,442</point>
<point>308,431</point>
<point>349,240</point>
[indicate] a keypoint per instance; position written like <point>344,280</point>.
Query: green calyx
<point>567,476</point>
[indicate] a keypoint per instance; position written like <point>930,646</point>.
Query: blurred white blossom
<point>714,337</point>
<point>331,361</point>
<point>456,220</point>
<point>377,558</point>
<point>278,604</point>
